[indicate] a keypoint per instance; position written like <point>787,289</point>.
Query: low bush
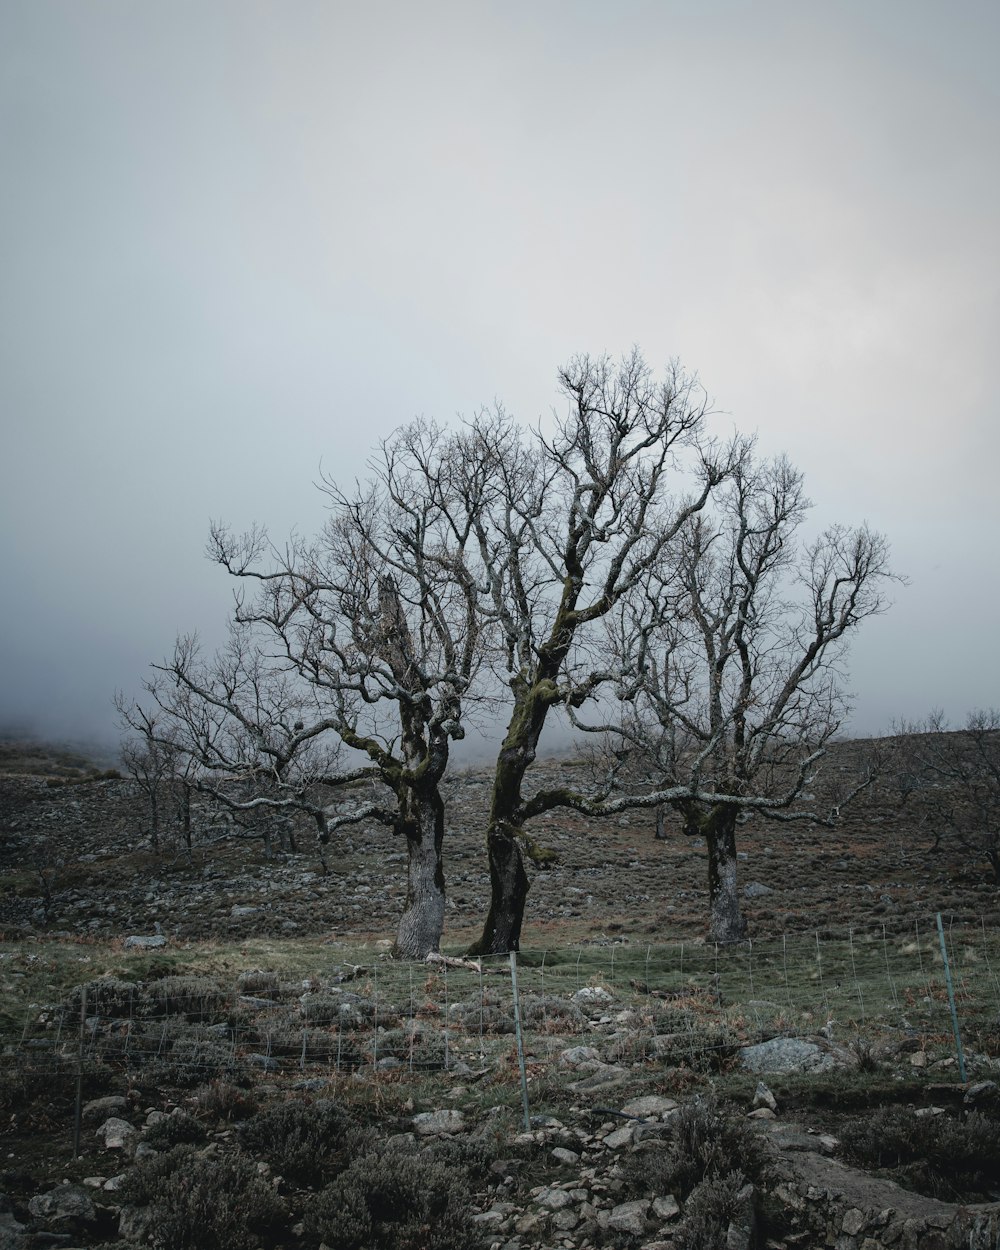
<point>936,1155</point>
<point>704,1141</point>
<point>177,1129</point>
<point>713,1207</point>
<point>395,1202</point>
<point>185,1201</point>
<point>308,1143</point>
<point>221,1100</point>
<point>198,998</point>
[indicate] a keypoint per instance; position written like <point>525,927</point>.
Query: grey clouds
<point>242,239</point>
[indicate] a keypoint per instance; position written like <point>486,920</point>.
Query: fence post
<point>520,1041</point>
<point>951,1001</point>
<point>78,1108</point>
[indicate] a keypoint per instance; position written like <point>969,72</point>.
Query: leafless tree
<point>567,526</point>
<point>153,756</point>
<point>380,621</point>
<point>732,657</point>
<point>949,781</point>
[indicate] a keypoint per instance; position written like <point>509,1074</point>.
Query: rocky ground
<point>641,1099</point>
<point>76,857</point>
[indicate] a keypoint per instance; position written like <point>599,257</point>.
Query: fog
<point>245,240</point>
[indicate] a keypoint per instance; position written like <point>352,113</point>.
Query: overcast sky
<point>241,239</point>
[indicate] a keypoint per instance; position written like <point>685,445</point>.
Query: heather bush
<point>186,1201</point>
<point>308,1143</point>
<point>395,1202</point>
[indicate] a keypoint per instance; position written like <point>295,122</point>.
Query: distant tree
<point>949,781</point>
<point>154,758</point>
<point>732,655</point>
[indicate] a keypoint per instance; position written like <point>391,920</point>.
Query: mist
<point>244,242</point>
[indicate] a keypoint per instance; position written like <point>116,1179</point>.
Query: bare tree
<point>154,758</point>
<point>380,620</point>
<point>566,527</point>
<point>949,781</point>
<point>733,651</point>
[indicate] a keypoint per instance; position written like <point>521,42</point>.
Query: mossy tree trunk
<point>422,922</point>
<point>717,826</point>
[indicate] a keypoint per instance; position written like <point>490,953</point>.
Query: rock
<point>114,1133</point>
<point>603,1077</point>
<point>592,994</point>
<point>666,1208</point>
<point>982,1094</point>
<point>65,1204</point>
<point>13,1235</point>
<point>764,1098</point>
<point>649,1105</point>
<point>243,911</point>
<point>553,1199</point>
<point>101,1108</point>
<point>629,1217</point>
<point>919,1059</point>
<point>568,1157</point>
<point>153,941</point>
<point>434,1123</point>
<point>786,1054</point>
<point>619,1137</point>
<point>577,1056</point>
<point>756,890</point>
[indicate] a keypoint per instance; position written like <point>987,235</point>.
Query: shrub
<point>713,1206</point>
<point>306,1142</point>
<point>932,1154</point>
<point>395,1202</point>
<point>220,1100</point>
<point>109,997</point>
<point>185,1201</point>
<point>538,1010</point>
<point>195,997</point>
<point>704,1140</point>
<point>177,1129</point>
<point>473,1155</point>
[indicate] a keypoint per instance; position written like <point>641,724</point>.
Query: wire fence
<point>682,1004</point>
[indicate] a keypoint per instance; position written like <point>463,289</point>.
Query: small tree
<point>949,781</point>
<point>154,758</point>
<point>734,649</point>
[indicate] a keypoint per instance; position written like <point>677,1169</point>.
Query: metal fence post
<point>520,1042</point>
<point>951,1001</point>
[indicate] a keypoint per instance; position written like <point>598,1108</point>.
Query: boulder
<point>434,1123</point>
<point>786,1054</point>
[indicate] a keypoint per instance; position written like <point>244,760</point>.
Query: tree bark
<point>727,923</point>
<point>508,893</point>
<point>422,922</point>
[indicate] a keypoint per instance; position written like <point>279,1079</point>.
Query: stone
<point>592,994</point>
<point>649,1105</point>
<point>762,1113</point>
<point>785,1054</point>
<point>666,1208</point>
<point>244,911</point>
<point>619,1137</point>
<point>101,1108</point>
<point>629,1217</point>
<point>601,1078</point>
<point>565,1220</point>
<point>755,889</point>
<point>65,1203</point>
<point>983,1093</point>
<point>562,1155</point>
<point>13,1235</point>
<point>919,1059</point>
<point>853,1222</point>
<point>434,1123</point>
<point>114,1133</point>
<point>764,1098</point>
<point>151,942</point>
<point>576,1056</point>
<point>553,1199</point>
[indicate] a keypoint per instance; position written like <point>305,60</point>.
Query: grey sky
<point>242,238</point>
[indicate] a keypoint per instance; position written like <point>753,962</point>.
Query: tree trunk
<point>726,921</point>
<point>661,823</point>
<point>508,893</point>
<point>422,922</point>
